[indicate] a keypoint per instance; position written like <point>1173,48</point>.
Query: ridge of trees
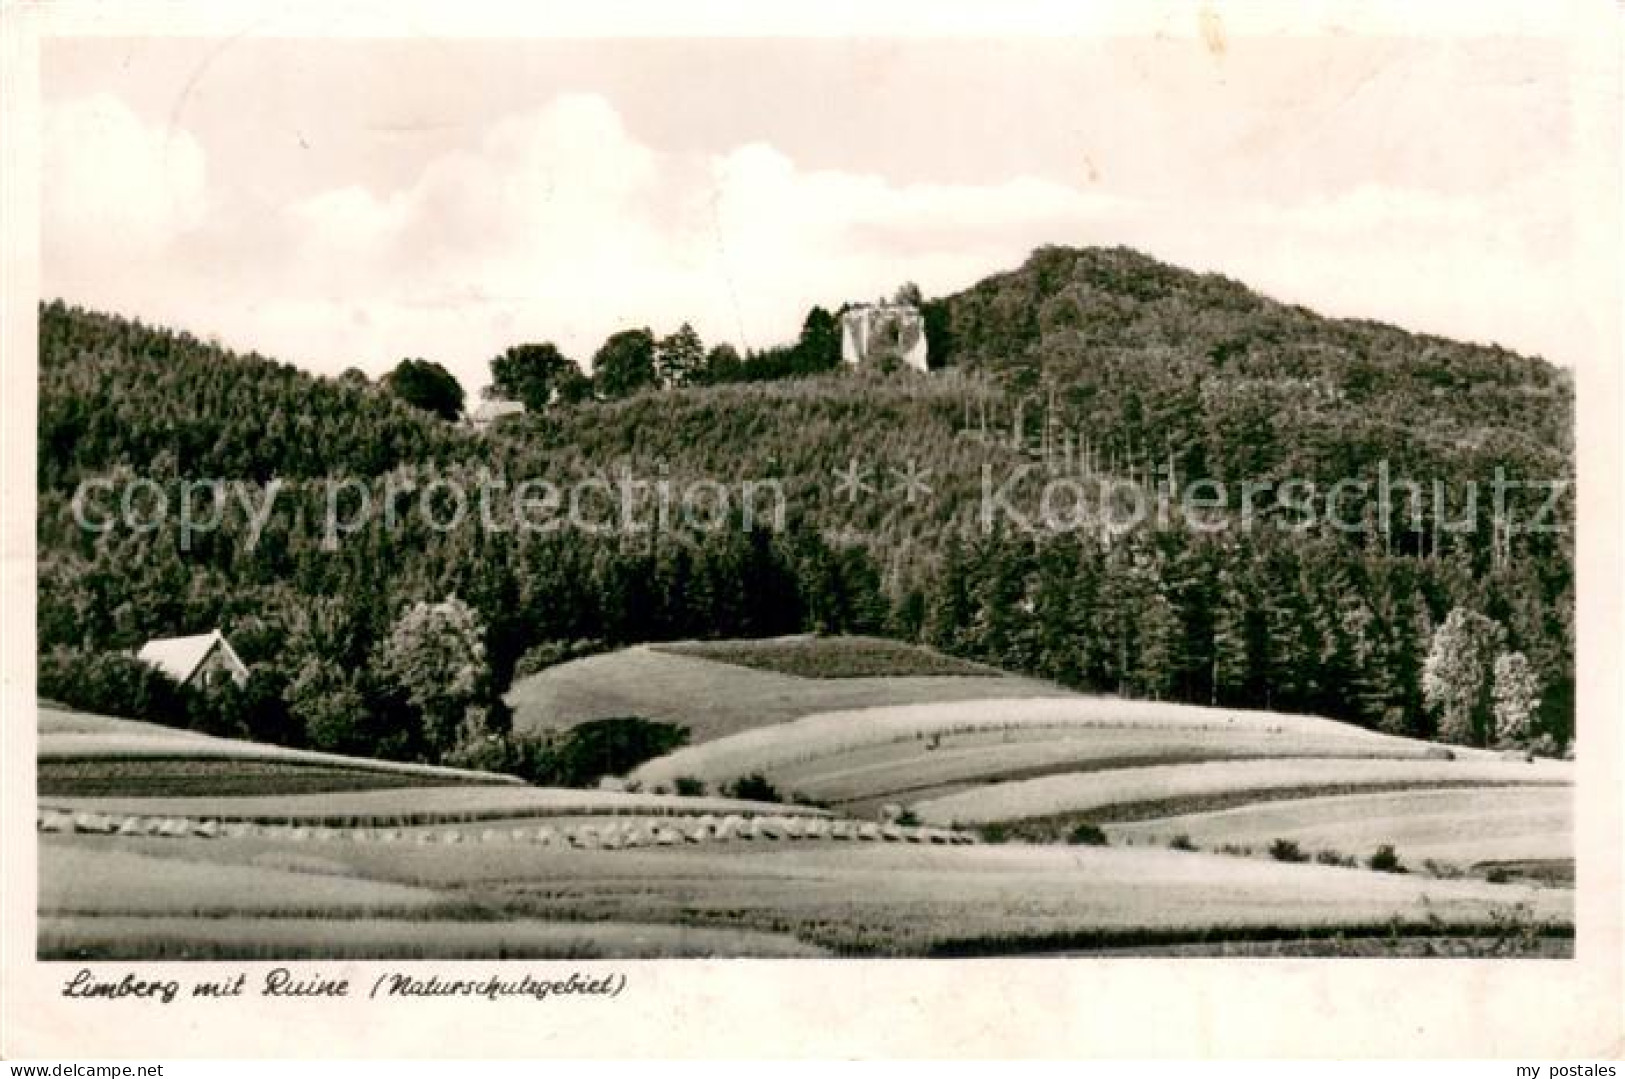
<point>1095,364</point>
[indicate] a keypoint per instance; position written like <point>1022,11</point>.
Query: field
<point>415,806</point>
<point>1040,770</point>
<point>715,699</point>
<point>146,884</point>
<point>89,755</point>
<point>60,719</point>
<point>1162,789</point>
<point>374,938</point>
<point>158,844</point>
<point>863,777</point>
<point>845,900</point>
<point>1452,826</point>
<point>277,905</point>
<point>832,657</point>
<point>867,753</point>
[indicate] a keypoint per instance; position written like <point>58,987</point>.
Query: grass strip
<point>1057,826</point>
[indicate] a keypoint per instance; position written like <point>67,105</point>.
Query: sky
<point>350,202</point>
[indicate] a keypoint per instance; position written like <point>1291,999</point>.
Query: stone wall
<point>884,334</point>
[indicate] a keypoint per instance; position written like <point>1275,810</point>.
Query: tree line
<point>539,375</point>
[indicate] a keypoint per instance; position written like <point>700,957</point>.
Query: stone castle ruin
<point>889,334</point>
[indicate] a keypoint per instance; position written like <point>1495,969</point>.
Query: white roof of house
<point>486,411</point>
<point>179,657</point>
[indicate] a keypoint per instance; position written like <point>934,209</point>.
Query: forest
<point>1100,366</point>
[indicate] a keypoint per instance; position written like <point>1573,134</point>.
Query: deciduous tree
<point>426,385</point>
<point>532,374</point>
<point>1457,677</point>
<point>435,654</point>
<point>625,363</point>
<point>1516,694</point>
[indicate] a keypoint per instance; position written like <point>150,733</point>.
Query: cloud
<point>558,223</point>
<point>117,191</point>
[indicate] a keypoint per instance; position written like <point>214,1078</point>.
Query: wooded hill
<point>1100,366</point>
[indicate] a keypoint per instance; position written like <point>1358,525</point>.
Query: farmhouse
<point>886,333</point>
<point>489,411</point>
<point>200,662</point>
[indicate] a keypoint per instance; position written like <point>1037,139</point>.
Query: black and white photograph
<point>859,495</point>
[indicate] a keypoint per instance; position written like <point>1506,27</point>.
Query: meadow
<point>714,698</point>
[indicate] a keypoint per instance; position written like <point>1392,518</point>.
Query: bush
<point>1385,860</point>
<point>1395,721</point>
<point>1088,834</point>
<point>490,753</point>
<point>530,757</point>
<point>219,710</point>
<point>1331,857</point>
<point>589,752</point>
<point>753,788</point>
<point>689,787</point>
<point>1544,745</point>
<point>264,709</point>
<point>552,653</point>
<point>116,684</point>
<point>995,833</point>
<point>908,819</point>
<point>1287,850</point>
<point>1181,842</point>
